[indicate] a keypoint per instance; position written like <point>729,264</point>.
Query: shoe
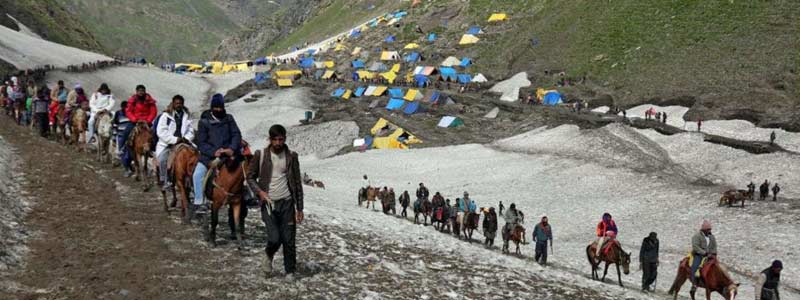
<point>267,265</point>
<point>128,173</point>
<point>166,187</point>
<point>200,209</point>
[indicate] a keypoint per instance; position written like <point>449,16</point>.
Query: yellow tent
<point>328,74</point>
<point>540,92</point>
<point>389,55</point>
<point>215,66</point>
<point>288,73</point>
<point>396,68</point>
<point>468,39</point>
<point>410,76</point>
<point>228,68</point>
<point>347,94</point>
<point>412,46</point>
<point>356,51</point>
<point>387,143</point>
<point>365,74</point>
<point>242,67</point>
<point>390,76</point>
<point>380,124</point>
<point>391,142</point>
<point>498,17</point>
<point>284,82</point>
<point>329,64</point>
<point>379,91</point>
<point>411,95</point>
<point>340,47</point>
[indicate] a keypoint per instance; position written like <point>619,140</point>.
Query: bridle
<point>228,194</point>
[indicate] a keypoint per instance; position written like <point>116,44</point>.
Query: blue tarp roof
<point>338,92</point>
<point>400,14</point>
<point>435,96</point>
<point>390,39</point>
<point>474,30</point>
<point>360,91</point>
<point>420,79</point>
<point>307,63</point>
<point>261,61</point>
<point>412,57</point>
<point>396,92</point>
<point>431,37</point>
<point>411,108</point>
<point>464,78</point>
<point>368,141</point>
<point>552,98</point>
<point>358,64</point>
<point>395,103</point>
<point>465,62</point>
<point>448,73</point>
<point>355,32</point>
<point>262,77</point>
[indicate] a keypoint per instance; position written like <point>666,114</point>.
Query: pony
<point>715,278</point>
<point>59,127</point>
<point>440,215</point>
<point>730,197</point>
<point>362,196</point>
<point>181,163</point>
<point>139,145</point>
<point>470,224</point>
<point>371,194</point>
<point>613,254</point>
<point>102,128</point>
<point>427,211</point>
<point>227,187</point>
<point>77,128</point>
<point>514,235</point>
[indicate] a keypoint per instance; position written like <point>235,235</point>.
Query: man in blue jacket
<point>217,136</point>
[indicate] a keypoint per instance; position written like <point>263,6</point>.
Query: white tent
<point>451,61</point>
<point>479,78</point>
<point>370,90</point>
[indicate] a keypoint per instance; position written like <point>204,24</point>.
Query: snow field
<point>26,51</point>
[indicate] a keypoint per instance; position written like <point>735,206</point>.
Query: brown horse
<point>180,167</point>
<point>427,211</point>
<point>139,146</point>
<point>59,127</point>
<point>515,235</point>
<point>471,221</point>
<point>77,127</point>
<point>715,278</point>
<point>730,197</point>
<point>612,255</point>
<point>227,188</point>
<point>102,128</point>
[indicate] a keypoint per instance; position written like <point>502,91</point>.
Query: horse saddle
<point>706,265</point>
<point>213,171</point>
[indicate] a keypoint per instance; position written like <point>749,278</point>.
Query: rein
<point>228,194</point>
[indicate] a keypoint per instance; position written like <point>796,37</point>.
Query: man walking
<point>405,200</point>
<point>275,177</point>
<point>648,258</point>
<point>772,137</point>
<point>542,233</point>
<point>768,281</point>
<point>775,190</point>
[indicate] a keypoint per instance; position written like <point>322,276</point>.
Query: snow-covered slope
<point>27,52</point>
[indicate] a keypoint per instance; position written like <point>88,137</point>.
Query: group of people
<point>764,190</point>
<point>660,116</point>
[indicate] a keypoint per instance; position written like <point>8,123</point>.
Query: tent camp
<point>498,17</point>
<point>307,62</point>
<point>411,46</point>
<point>464,78</point>
<point>450,61</point>
<point>340,47</point>
<point>288,73</point>
<point>362,74</point>
<point>390,136</point>
<point>390,55</point>
<point>450,121</point>
<point>420,80</point>
<point>370,90</point>
<point>347,94</point>
<point>468,39</point>
<point>379,91</point>
<point>329,64</point>
<point>330,74</point>
<point>338,92</point>
<point>395,68</point>
<point>261,77</point>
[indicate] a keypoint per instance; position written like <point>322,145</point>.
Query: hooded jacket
<point>214,134</point>
<point>138,110</point>
<point>100,102</point>
<point>166,130</point>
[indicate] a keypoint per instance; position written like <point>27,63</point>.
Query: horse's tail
<point>589,255</point>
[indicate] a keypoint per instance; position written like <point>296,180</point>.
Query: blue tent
<point>412,57</point>
<point>431,37</point>
<point>395,103</point>
<point>355,76</point>
<point>435,97</point>
<point>464,78</point>
<point>400,14</point>
<point>396,93</point>
<point>338,92</point>
<point>411,108</point>
<point>465,62</point>
<point>307,63</point>
<point>420,79</point>
<point>355,33</point>
<point>368,141</point>
<point>261,77</point>
<point>552,98</point>
<point>448,73</point>
<point>358,64</point>
<point>311,51</point>
<point>474,30</point>
<point>261,61</point>
<point>390,39</point>
<point>360,91</point>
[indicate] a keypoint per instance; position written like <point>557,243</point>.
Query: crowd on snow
<point>703,243</point>
<point>94,66</point>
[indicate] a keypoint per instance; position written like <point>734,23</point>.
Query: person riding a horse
<point>75,100</point>
<point>422,192</point>
<point>470,204</point>
<point>605,226</point>
<point>101,101</point>
<point>217,136</point>
<point>174,127</point>
<point>704,245</point>
<point>513,219</point>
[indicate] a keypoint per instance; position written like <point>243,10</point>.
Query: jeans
<point>162,165</point>
<point>281,231</point>
<point>197,177</point>
<point>541,252</point>
<point>696,259</point>
<point>122,139</point>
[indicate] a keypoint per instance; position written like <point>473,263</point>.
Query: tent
<point>356,51</point>
<point>474,30</point>
<point>389,55</point>
<point>479,78</point>
<point>552,98</point>
<point>347,94</point>
<point>411,46</point>
<point>359,91</point>
<point>492,113</point>
<point>420,80</point>
<point>329,74</point>
<point>431,37</point>
<point>340,47</point>
<point>307,63</point>
<point>450,61</point>
<point>412,95</point>
<point>498,17</point>
<point>389,76</point>
<point>468,39</point>
<point>288,73</point>
<point>392,22</point>
<point>411,108</point>
<point>428,71</point>
<point>395,103</point>
<point>395,68</point>
<point>319,65</point>
<point>464,78</point>
<point>435,97</point>
<point>396,93</point>
<point>377,67</point>
<point>284,82</point>
<point>374,103</point>
<point>358,64</point>
<point>362,74</point>
<point>412,57</point>
<point>379,91</point>
<point>382,123</point>
<point>447,74</point>
<point>355,32</point>
<point>338,92</point>
<point>261,77</point>
<point>370,90</point>
<point>465,62</point>
<point>329,64</point>
<point>260,61</point>
<point>450,121</point>
<point>390,39</point>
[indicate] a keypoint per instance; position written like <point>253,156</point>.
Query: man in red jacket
<point>141,107</point>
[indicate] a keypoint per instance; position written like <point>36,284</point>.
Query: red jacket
<point>141,110</point>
